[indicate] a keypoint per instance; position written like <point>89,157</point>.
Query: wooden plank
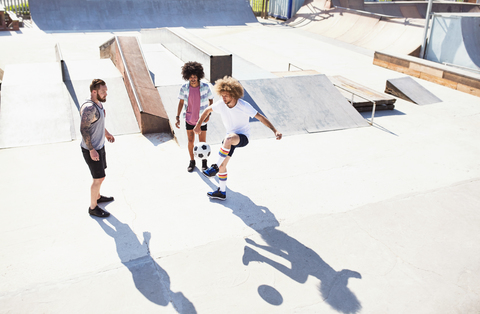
<point>2,17</point>
<point>14,24</point>
<point>363,91</point>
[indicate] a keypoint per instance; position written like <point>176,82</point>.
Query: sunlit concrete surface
<point>378,219</point>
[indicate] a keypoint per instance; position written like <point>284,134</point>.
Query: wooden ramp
<point>127,55</point>
<point>367,96</point>
<point>408,89</point>
<point>295,105</point>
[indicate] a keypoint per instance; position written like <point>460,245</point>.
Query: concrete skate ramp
<point>370,31</point>
<point>187,47</point>
<point>79,74</point>
<point>165,68</point>
<point>39,108</point>
<point>95,15</point>
<point>295,105</point>
<point>408,89</point>
<point>35,106</point>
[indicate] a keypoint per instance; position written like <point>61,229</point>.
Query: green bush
<point>22,9</point>
<point>257,6</point>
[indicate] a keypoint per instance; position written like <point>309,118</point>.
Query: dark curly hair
<point>230,85</point>
<point>192,68</point>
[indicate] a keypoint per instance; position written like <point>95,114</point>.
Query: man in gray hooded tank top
<point>92,128</point>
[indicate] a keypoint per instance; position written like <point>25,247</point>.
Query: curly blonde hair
<point>230,85</point>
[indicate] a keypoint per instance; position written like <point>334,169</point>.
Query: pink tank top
<point>193,108</point>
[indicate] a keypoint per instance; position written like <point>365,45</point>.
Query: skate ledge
<point>449,76</point>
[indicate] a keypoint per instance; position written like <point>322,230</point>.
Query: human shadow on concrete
<point>304,262</point>
<point>149,278</point>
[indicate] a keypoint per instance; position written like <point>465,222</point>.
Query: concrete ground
<point>379,219</point>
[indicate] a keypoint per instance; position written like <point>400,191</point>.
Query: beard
<point>100,99</point>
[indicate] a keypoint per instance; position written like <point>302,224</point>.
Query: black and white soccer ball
<point>201,150</point>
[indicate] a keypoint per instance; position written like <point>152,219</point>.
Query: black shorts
<point>97,168</point>
<point>190,127</point>
<point>243,142</point>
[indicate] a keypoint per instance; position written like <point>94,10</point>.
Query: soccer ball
<point>201,150</point>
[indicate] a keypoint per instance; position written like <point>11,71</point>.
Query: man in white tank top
<point>92,128</point>
<point>236,114</point>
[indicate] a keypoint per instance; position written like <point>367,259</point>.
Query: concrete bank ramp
<point>165,68</point>
<point>295,105</point>
<point>369,31</point>
<point>79,74</point>
<point>38,107</point>
<point>79,15</point>
<point>35,107</point>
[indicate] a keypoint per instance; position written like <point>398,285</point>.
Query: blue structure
<point>284,9</point>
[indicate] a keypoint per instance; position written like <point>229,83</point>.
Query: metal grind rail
<point>353,94</point>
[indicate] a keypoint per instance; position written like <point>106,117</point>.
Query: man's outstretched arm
<point>268,124</point>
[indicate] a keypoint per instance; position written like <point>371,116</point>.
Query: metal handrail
<point>291,64</point>
<point>353,94</point>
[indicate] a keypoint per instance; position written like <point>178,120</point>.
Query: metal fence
<point>281,9</point>
<point>20,7</point>
<point>257,6</point>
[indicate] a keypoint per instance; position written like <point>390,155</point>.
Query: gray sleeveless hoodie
<point>97,129</point>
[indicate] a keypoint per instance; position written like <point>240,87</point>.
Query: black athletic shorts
<point>190,127</point>
<point>243,142</point>
<point>97,168</point>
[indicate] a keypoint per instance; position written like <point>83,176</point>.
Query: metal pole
<point>372,101</point>
<point>425,31</point>
<point>373,112</point>
<point>292,9</point>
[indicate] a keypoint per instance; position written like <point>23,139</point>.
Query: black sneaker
<point>191,166</point>
<point>204,164</point>
<point>97,211</point>
<point>212,171</point>
<point>217,194</point>
<point>105,199</point>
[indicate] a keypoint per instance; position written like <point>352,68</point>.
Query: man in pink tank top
<point>194,96</point>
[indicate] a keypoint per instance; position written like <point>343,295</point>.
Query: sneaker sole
<point>217,198</point>
<point>208,175</point>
